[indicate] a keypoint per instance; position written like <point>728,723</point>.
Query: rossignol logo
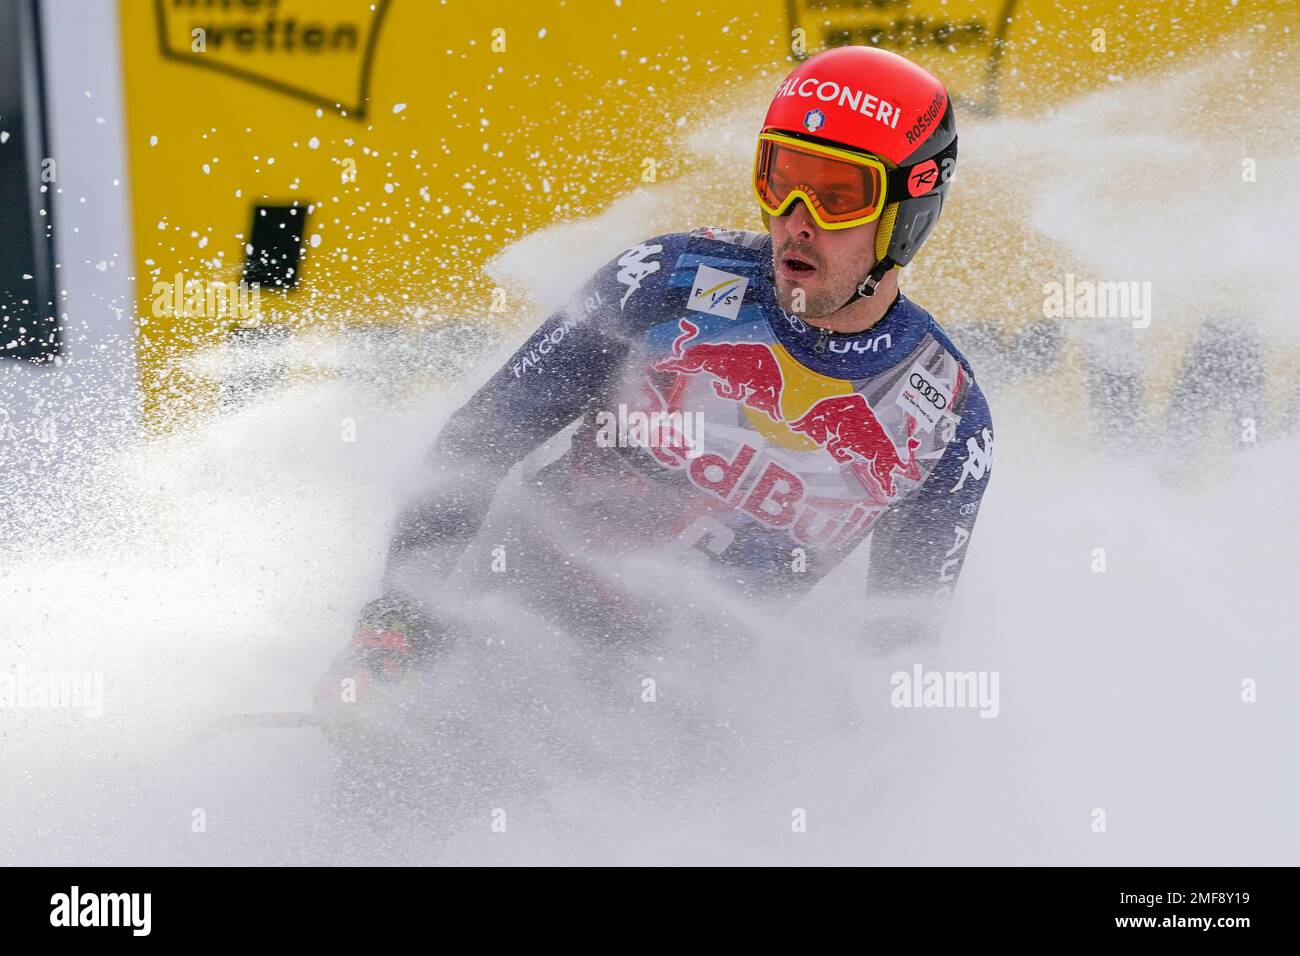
<point>923,178</point>
<point>927,118</point>
<point>74,908</point>
<point>828,91</point>
<point>717,293</point>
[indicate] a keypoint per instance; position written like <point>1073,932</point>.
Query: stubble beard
<point>818,303</point>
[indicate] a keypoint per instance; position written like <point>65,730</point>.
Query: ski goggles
<point>840,188</point>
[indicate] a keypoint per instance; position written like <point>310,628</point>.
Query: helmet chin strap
<point>867,287</point>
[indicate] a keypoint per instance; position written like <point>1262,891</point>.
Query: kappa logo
<point>717,293</point>
<point>978,461</point>
<point>633,267</point>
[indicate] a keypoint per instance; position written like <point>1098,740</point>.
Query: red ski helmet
<point>895,121</point>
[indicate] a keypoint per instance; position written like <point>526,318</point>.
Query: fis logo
<point>717,293</point>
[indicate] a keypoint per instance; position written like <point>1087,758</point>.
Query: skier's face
<point>826,264</point>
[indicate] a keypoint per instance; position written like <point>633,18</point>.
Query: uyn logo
<point>102,909</point>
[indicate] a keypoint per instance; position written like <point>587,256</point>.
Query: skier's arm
<point>541,389</point>
<point>918,547</point>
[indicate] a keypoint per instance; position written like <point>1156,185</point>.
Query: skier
<point>757,404</point>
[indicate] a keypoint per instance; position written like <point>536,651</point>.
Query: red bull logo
<point>745,372</point>
<point>779,498</point>
<point>844,425</point>
<point>850,431</point>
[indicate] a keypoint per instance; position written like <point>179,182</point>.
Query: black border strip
<point>977,907</point>
<point>37,345</point>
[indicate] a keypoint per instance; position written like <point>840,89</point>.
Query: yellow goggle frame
<point>823,217</point>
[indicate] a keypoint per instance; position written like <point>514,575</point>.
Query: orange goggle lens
<point>841,188</point>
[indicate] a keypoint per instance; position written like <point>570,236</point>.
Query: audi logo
<point>928,391</point>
